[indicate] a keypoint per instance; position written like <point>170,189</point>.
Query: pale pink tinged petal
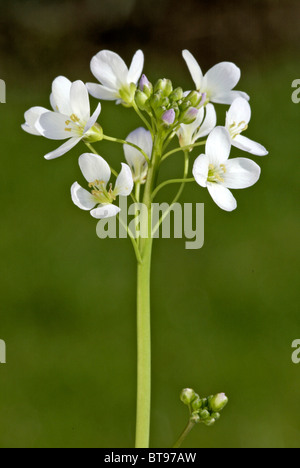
<point>109,68</point>
<point>250,146</point>
<point>65,148</point>
<point>222,197</point>
<point>209,123</point>
<point>105,211</point>
<point>91,122</point>
<point>61,89</point>
<point>124,183</point>
<point>194,69</point>
<point>229,97</point>
<point>94,167</point>
<point>221,79</point>
<point>218,146</point>
<point>102,92</point>
<point>240,111</point>
<point>80,101</point>
<point>200,170</point>
<point>82,198</point>
<point>55,126</point>
<point>136,67</point>
<point>241,173</point>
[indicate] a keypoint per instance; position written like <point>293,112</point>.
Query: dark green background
<point>224,317</point>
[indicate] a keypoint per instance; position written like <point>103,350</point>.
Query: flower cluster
<point>204,410</point>
<point>167,112</point>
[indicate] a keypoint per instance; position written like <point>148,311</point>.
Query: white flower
<point>217,173</point>
<point>218,82</point>
<point>203,125</point>
<point>237,120</point>
<point>137,162</point>
<point>70,120</point>
<point>118,83</point>
<point>97,173</point>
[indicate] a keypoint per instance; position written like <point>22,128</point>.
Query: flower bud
<point>197,403</point>
<point>187,396</point>
<point>169,117</point>
<point>205,414</point>
<point>209,422</point>
<point>177,95</point>
<point>218,402</point>
<point>195,98</point>
<point>165,86</point>
<point>216,416</point>
<point>146,86</point>
<point>141,99</point>
<point>189,116</point>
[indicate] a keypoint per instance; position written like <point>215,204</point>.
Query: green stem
<point>185,433</point>
<point>92,149</point>
<point>169,182</point>
<point>184,149</point>
<point>143,118</point>
<point>124,142</point>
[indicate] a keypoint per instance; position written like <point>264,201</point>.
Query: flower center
<point>236,129</point>
<point>101,194</point>
<point>216,174</point>
<point>74,124</point>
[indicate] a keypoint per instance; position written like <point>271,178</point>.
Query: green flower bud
<point>156,100</point>
<point>205,414</point>
<point>218,402</point>
<point>209,422</point>
<point>216,416</point>
<point>187,396</point>
<point>195,98</point>
<point>189,116</point>
<point>141,99</point>
<point>177,95</point>
<point>165,86</point>
<point>197,403</point>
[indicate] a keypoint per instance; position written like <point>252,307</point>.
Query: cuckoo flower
<point>137,162</point>
<point>71,119</point>
<point>97,173</point>
<point>219,81</point>
<point>118,83</point>
<point>205,122</point>
<point>237,120</point>
<point>217,173</point>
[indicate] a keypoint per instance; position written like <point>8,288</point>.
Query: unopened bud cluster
<point>170,107</point>
<point>204,410</point>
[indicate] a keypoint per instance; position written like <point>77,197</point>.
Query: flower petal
<point>124,183</point>
<point>250,146</point>
<point>200,170</point>
<point>91,122</point>
<point>241,173</point>
<point>82,198</point>
<point>143,139</point>
<point>31,118</point>
<point>229,97</point>
<point>136,67</point>
<point>221,79</point>
<point>63,149</point>
<point>240,111</point>
<point>218,146</point>
<point>105,211</point>
<point>55,126</point>
<point>109,68</point>
<point>222,197</point>
<point>194,69</point>
<point>94,167</point>
<point>102,92</point>
<point>60,100</point>
<point>80,103</point>
<point>209,123</point>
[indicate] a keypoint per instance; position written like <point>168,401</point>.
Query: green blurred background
<point>224,317</point>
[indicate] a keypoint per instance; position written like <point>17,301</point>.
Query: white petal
<point>221,79</point>
<point>241,173</point>
<point>143,139</point>
<point>250,146</point>
<point>240,111</point>
<point>82,198</point>
<point>229,97</point>
<point>80,102</point>
<point>136,67</point>
<point>102,92</point>
<point>94,167</point>
<point>209,123</point>
<point>194,68</point>
<point>105,211</point>
<point>55,126</point>
<point>222,197</point>
<point>200,170</point>
<point>218,146</point>
<point>31,118</point>
<point>91,122</point>
<point>124,183</point>
<point>61,89</point>
<point>63,149</point>
<point>109,68</point>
